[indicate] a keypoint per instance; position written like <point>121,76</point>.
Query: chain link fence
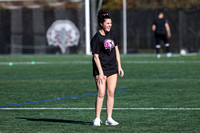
<point>184,25</point>
<point>23,30</point>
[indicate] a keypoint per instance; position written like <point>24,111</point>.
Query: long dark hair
<point>102,16</point>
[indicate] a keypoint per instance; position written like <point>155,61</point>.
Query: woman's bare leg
<point>100,96</point>
<point>111,85</point>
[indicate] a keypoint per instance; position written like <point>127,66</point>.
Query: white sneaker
<point>110,121</point>
<point>169,54</point>
<point>97,122</point>
<point>158,55</point>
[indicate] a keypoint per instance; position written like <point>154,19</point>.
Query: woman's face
<point>106,25</point>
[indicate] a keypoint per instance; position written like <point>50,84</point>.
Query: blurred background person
<point>162,32</point>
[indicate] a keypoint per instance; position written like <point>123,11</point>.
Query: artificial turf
<point>165,83</point>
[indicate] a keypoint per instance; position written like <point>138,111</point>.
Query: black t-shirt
<point>104,46</point>
<point>160,26</point>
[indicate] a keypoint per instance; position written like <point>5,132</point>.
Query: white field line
<point>184,109</point>
<point>159,62</point>
<point>44,63</point>
<point>89,62</point>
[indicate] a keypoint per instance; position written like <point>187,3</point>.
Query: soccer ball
<point>183,52</point>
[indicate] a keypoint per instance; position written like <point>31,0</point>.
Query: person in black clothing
<point>162,32</point>
<point>106,65</point>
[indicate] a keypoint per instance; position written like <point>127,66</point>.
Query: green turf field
<point>56,93</point>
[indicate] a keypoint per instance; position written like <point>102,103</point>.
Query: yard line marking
<point>55,99</point>
<point>176,109</point>
<point>90,77</point>
<point>159,62</point>
<point>45,62</point>
<point>157,108</point>
<point>89,62</point>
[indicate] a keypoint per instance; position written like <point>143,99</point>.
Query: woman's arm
<point>98,64</point>
<point>121,72</point>
<point>153,27</point>
<point>168,30</point>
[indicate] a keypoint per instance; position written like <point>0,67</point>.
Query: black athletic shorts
<point>161,37</point>
<point>106,73</point>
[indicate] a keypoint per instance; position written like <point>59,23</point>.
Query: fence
<point>184,25</point>
<point>23,30</point>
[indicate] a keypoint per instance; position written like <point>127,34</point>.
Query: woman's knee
<point>101,92</point>
<point>100,95</point>
<point>110,93</point>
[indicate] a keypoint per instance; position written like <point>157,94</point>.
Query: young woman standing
<point>106,65</point>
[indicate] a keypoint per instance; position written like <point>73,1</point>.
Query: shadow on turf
<point>56,120</point>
